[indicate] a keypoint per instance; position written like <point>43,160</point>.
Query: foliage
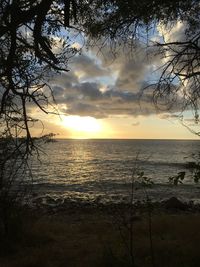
<point>143,180</point>
<point>177,179</point>
<point>28,36</point>
<point>35,43</point>
<point>127,22</point>
<point>194,167</point>
<point>31,30</point>
<point>118,19</point>
<point>15,176</point>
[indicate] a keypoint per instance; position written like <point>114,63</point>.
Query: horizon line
<point>161,139</point>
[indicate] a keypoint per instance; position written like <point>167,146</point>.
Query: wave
<point>160,163</point>
<point>119,193</point>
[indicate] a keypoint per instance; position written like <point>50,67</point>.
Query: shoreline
<point>55,206</point>
<point>156,194</point>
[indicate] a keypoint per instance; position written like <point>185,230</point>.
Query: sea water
<point>105,169</point>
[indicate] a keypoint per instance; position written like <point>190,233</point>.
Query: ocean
<point>104,170</point>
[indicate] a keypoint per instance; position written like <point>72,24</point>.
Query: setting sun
<point>84,125</point>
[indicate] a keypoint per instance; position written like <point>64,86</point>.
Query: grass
<point>89,238</point>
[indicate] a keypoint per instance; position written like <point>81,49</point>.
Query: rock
<point>174,203</point>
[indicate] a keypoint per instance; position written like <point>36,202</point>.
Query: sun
<point>84,125</point>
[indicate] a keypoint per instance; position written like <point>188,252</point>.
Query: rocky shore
<point>49,204</point>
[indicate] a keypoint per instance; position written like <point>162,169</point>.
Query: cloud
<point>135,71</point>
<point>137,123</point>
<point>88,66</point>
<point>83,109</point>
<point>65,79</point>
<point>122,95</point>
<point>168,116</point>
<point>89,90</point>
<point>89,100</point>
<point>131,75</point>
<point>175,33</point>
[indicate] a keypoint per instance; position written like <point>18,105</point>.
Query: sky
<point>103,96</point>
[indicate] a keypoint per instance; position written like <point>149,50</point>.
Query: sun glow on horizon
<point>82,126</point>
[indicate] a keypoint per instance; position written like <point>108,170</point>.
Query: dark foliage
<point>29,32</point>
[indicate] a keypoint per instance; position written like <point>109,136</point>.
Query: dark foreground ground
<point>91,235</point>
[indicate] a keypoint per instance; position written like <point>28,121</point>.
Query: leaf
<point>181,175</point>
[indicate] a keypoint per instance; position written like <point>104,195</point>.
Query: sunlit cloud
<point>100,87</point>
